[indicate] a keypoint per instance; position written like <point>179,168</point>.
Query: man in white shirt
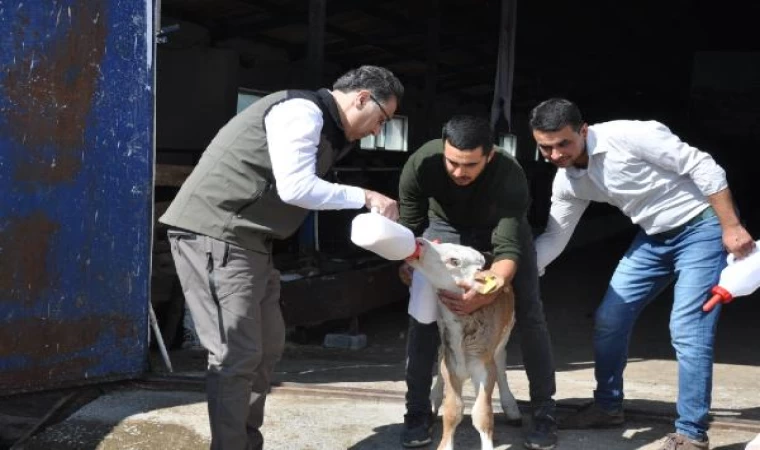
<point>256,182</point>
<point>679,197</point>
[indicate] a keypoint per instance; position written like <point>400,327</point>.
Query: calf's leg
<point>507,400</point>
<point>453,407</point>
<point>436,394</point>
<point>483,374</point>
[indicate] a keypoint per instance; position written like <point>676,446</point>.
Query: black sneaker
<point>417,428</point>
<point>543,433</point>
<point>592,416</point>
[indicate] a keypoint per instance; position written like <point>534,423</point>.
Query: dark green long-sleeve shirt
<point>497,199</point>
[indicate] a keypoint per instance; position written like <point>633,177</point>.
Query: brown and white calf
<point>472,346</point>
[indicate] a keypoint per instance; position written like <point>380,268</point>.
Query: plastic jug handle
<point>730,258</point>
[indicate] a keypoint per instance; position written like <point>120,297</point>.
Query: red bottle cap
<point>720,295</point>
<point>417,251</point>
<point>724,294</point>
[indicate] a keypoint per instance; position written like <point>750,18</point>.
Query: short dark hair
<point>555,114</point>
<point>469,132</point>
<point>378,80</point>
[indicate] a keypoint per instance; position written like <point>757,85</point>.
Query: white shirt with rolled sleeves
<point>642,168</point>
<point>293,132</point>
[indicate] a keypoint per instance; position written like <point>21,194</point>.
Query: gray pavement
<point>341,399</point>
<point>161,420</point>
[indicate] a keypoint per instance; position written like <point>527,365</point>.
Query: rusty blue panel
<point>76,177</point>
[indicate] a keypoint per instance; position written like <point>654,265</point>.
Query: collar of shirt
<point>593,150</point>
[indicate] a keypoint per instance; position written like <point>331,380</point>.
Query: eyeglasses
<point>385,113</point>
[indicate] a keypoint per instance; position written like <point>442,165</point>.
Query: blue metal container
<point>76,190</point>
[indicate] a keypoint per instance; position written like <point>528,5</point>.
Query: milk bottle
<point>739,278</point>
<point>382,236</point>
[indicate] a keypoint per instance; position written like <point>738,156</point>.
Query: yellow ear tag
<point>489,284</point>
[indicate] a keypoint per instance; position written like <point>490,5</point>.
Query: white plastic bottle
<point>739,278</point>
<point>382,236</point>
<point>754,444</point>
<point>423,299</point>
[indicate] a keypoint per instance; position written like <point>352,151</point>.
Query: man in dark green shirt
<point>462,189</point>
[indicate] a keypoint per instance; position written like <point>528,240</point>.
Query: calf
<point>472,346</point>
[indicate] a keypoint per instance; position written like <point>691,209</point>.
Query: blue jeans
<point>694,257</point>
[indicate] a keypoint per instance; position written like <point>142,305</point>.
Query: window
<point>247,97</point>
<point>393,136</point>
<point>508,142</point>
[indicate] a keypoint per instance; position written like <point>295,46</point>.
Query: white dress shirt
<point>293,133</point>
<point>642,168</point>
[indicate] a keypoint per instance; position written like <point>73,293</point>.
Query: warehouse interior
<point>689,64</point>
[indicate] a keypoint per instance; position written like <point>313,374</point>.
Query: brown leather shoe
<point>592,416</point>
<point>675,441</point>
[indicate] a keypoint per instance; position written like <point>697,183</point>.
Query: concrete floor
<point>138,418</point>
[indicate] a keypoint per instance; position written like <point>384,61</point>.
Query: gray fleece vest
<point>231,195</point>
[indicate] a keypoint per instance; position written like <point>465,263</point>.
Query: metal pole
<point>159,337</point>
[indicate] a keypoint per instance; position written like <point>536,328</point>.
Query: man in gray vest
<point>256,182</point>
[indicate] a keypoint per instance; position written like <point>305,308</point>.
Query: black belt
<point>705,214</point>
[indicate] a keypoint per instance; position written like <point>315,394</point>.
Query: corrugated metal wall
<point>76,171</point>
